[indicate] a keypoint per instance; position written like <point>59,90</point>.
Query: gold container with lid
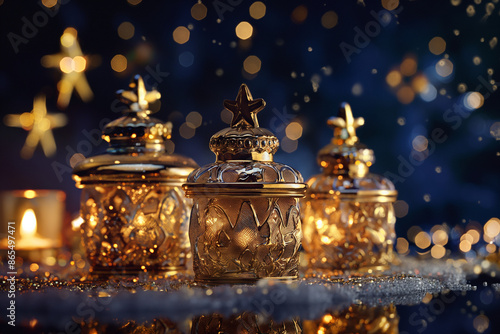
<point>245,224</point>
<point>134,210</point>
<point>348,216</point>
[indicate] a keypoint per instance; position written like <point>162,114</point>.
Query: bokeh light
<point>126,30</point>
<point>437,45</point>
<point>252,64</point>
<point>402,246</point>
<point>257,10</point>
<point>390,4</point>
<point>329,19</point>
<point>420,143</point>
<point>409,66</point>
<point>119,63</point>
<point>194,119</point>
<point>405,94</point>
<point>49,3</point>
<point>289,145</point>
<point>401,208</point>
<point>299,14</point>
<point>473,100</point>
<point>393,78</point>
<point>198,11</point>
<point>422,240</point>
<point>444,67</point>
<point>181,35</point>
<point>244,30</point>
<point>294,130</point>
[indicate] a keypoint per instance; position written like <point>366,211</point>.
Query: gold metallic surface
<point>356,319</point>
<point>245,223</point>
<point>348,216</point>
<point>134,211</point>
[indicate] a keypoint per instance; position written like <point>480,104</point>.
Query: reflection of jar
<point>356,319</point>
<point>246,322</point>
<point>245,222</point>
<point>134,210</point>
<point>348,214</point>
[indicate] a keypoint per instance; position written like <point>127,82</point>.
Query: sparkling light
<point>181,35</point>
<point>257,10</point>
<point>40,125</point>
<point>244,30</point>
<point>72,64</point>
<point>29,194</point>
<point>329,19</point>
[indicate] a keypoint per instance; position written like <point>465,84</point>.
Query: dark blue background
<point>466,189</point>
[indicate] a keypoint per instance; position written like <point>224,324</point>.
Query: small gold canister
<point>245,224</point>
<point>134,210</point>
<point>348,214</point>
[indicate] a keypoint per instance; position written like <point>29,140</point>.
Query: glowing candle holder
<point>348,213</point>
<point>134,210</point>
<point>37,217</point>
<point>245,222</point>
<point>360,319</point>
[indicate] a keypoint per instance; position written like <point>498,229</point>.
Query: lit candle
<point>29,239</point>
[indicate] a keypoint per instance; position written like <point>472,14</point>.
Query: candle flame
<point>28,224</point>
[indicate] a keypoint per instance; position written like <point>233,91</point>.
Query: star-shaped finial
<point>39,125</point>
<point>73,64</point>
<point>345,124</point>
<point>138,98</point>
<point>244,109</point>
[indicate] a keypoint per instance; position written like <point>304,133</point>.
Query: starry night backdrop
<point>423,76</point>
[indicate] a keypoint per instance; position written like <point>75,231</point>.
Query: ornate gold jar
<point>134,210</point>
<point>348,214</point>
<point>245,224</point>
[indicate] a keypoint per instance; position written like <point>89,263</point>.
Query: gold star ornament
<point>39,125</point>
<point>345,125</point>
<point>73,64</point>
<point>138,98</point>
<point>244,109</point>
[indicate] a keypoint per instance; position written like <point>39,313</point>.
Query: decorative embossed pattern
<point>348,235</point>
<point>246,322</point>
<point>356,319</point>
<point>135,227</point>
<point>237,239</point>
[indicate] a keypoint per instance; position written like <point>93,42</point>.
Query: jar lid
<point>137,145</point>
<point>244,158</point>
<point>345,163</point>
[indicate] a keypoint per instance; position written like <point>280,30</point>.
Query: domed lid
<point>137,145</point>
<point>244,158</point>
<point>345,154</point>
<point>345,163</point>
